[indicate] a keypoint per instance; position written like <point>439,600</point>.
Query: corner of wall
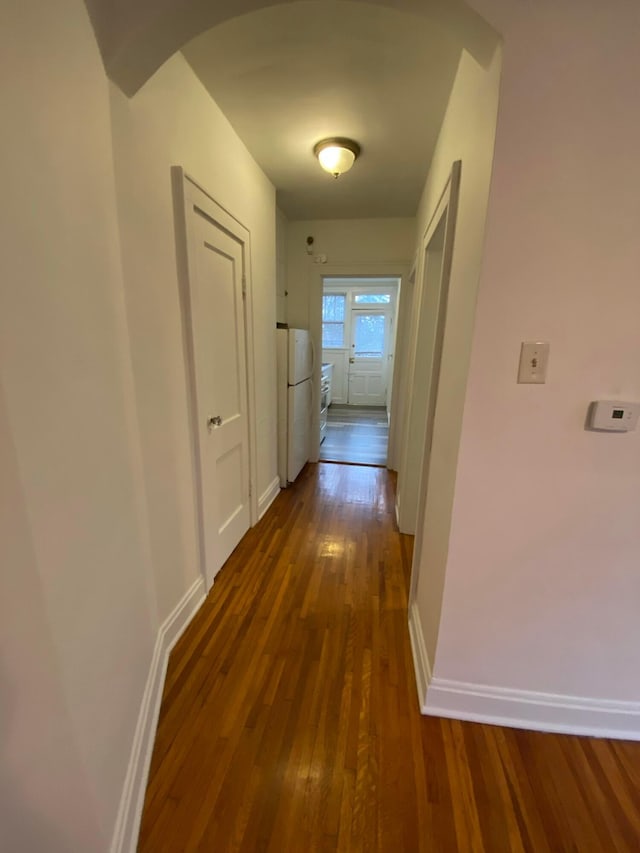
<point>421,662</point>
<point>127,826</point>
<point>535,710</point>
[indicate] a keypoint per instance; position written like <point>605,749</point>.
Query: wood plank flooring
<point>290,720</point>
<point>356,434</point>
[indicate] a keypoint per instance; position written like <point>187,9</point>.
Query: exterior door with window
<point>369,356</point>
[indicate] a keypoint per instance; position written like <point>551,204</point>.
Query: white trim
<point>423,369</point>
<point>350,287</point>
<point>187,196</point>
<point>364,269</point>
<point>520,709</point>
<point>268,496</point>
<point>251,370</point>
<point>529,709</point>
<point>125,835</point>
<point>421,662</point>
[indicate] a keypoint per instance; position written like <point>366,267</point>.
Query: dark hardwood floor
<point>290,720</point>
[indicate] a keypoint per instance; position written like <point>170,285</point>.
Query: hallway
<point>290,721</point>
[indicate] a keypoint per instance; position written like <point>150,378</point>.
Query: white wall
<point>542,583</point>
<point>467,134</point>
<point>98,533</point>
<point>282,225</point>
<point>173,121</point>
<point>352,246</point>
<point>77,604</point>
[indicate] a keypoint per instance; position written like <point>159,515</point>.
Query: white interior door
<point>368,359</point>
<point>216,262</point>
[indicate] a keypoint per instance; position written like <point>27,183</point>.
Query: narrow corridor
<point>290,719</point>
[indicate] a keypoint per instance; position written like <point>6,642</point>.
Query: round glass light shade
<point>336,156</point>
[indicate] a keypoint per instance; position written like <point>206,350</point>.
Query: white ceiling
<point>290,75</point>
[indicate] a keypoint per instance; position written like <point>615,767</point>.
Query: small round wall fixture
<point>336,155</point>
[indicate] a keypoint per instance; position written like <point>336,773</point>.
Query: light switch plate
<point>534,357</point>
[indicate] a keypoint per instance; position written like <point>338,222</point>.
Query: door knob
<point>352,361</point>
<point>214,422</point>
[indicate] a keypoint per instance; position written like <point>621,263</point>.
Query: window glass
<point>364,298</point>
<point>333,335</point>
<point>333,309</point>
<point>369,335</point>
<point>333,305</point>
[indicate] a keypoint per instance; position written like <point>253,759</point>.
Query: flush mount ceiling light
<point>336,155</point>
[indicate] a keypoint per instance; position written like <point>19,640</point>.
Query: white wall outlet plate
<point>534,357</point>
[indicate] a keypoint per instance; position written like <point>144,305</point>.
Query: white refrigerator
<point>295,395</point>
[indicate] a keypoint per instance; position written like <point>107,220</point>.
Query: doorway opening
<point>358,344</point>
<point>432,328</point>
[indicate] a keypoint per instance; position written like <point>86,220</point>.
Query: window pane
<point>369,335</point>
<point>332,335</point>
<point>333,307</point>
<point>373,297</point>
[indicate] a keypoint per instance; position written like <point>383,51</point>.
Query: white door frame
<point>187,196</point>
<point>445,214</point>
<point>382,269</point>
<point>401,355</point>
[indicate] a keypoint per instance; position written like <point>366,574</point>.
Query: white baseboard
<point>528,709</point>
<point>421,662</point>
<point>520,709</point>
<point>125,836</point>
<point>397,508</point>
<point>268,496</point>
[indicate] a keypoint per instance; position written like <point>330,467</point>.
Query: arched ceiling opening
<point>137,36</point>
<point>289,74</point>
